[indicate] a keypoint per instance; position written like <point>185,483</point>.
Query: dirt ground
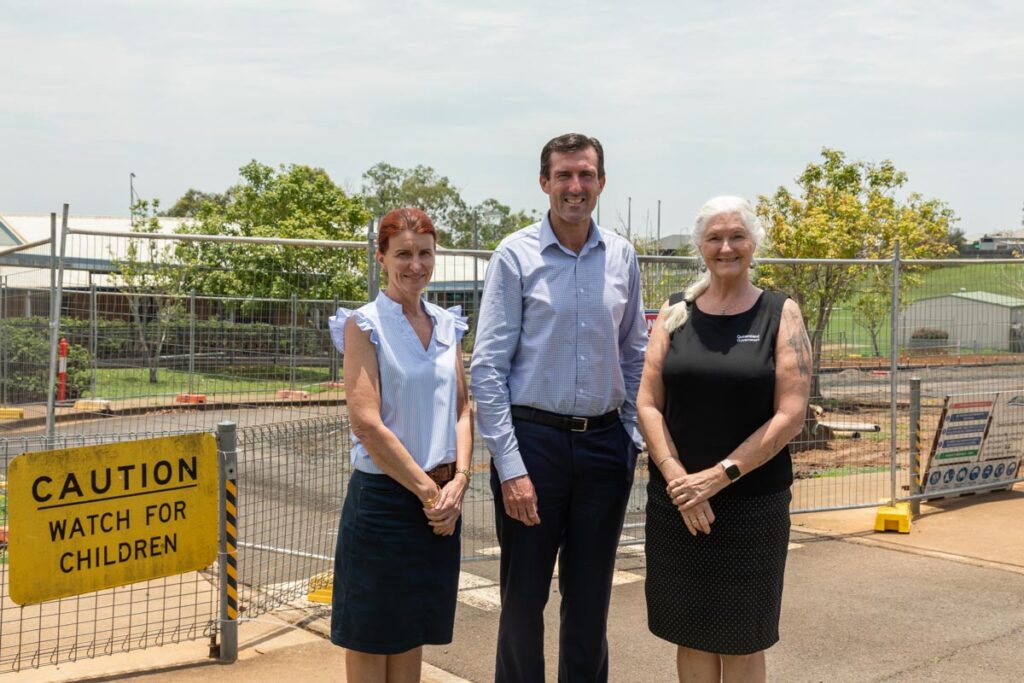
<point>853,452</point>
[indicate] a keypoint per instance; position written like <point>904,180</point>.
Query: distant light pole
<point>629,219</point>
<point>131,199</point>
<point>659,224</point>
<point>476,276</point>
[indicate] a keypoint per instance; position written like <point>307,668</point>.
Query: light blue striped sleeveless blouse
<point>417,385</point>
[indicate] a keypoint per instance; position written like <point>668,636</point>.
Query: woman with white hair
<point>724,389</point>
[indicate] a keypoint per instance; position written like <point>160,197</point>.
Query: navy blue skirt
<point>395,581</point>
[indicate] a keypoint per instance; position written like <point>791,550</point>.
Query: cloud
<point>691,99</point>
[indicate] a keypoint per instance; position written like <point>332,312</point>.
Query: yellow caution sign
<point>82,519</point>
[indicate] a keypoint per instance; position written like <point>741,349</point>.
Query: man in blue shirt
<point>556,364</point>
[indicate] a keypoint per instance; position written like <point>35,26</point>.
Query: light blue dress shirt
<point>417,386</point>
<point>559,331</point>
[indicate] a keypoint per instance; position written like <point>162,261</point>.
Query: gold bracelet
<point>465,471</point>
<point>659,463</point>
<point>431,502</point>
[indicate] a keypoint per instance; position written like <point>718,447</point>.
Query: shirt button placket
<point>581,306</point>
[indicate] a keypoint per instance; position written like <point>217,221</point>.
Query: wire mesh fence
<point>168,610</point>
<point>291,482</point>
<point>168,337</point>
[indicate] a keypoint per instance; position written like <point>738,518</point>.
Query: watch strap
<point>731,469</point>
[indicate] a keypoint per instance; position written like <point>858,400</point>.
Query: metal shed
<point>974,321</point>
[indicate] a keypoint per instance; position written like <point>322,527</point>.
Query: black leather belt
<point>567,422</point>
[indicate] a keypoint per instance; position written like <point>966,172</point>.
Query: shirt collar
<point>548,238</point>
<point>392,309</point>
<point>387,305</point>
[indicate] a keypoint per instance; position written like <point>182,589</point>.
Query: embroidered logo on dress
<point>740,338</point>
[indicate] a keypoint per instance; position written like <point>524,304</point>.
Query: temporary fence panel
<point>961,334</point>
<point>171,336</point>
<point>291,483</point>
<point>162,334</point>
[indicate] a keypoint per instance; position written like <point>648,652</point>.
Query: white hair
<point>677,314</point>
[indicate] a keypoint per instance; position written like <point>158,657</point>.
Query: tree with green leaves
<point>387,187</point>
<point>296,202</point>
<point>846,210</point>
<point>191,203</point>
<point>492,221</point>
<point>151,282</point>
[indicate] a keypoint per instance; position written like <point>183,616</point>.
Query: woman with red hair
<point>396,567</point>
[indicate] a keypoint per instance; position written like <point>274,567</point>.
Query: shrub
<point>25,347</point>
<point>929,333</point>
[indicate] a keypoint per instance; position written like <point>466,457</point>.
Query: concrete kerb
<point>970,529</point>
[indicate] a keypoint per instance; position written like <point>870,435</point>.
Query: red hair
<point>398,220</point>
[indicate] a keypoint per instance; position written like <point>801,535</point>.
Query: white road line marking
<point>476,591</point>
<point>484,594</point>
<point>622,578</point>
<point>431,674</point>
<point>631,549</point>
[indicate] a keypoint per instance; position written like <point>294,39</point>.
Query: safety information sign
<point>979,442</point>
<point>83,519</point>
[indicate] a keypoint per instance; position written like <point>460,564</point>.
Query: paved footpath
<point>943,603</point>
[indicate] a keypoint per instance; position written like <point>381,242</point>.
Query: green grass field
<point>845,337</point>
<point>119,383</point>
<point>984,277</point>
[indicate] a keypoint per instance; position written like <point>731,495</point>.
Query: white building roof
<point>30,268</point>
<point>30,227</point>
<point>983,297</point>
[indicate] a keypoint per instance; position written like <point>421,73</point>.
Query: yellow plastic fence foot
<point>93,405</point>
<point>292,394</point>
<point>321,588</point>
<point>893,518</point>
<point>12,413</point>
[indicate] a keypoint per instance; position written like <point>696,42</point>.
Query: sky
<point>690,99</point>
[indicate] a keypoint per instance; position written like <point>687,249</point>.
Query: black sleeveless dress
<point>721,592</point>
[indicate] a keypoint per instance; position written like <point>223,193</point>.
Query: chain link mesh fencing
<point>168,337</point>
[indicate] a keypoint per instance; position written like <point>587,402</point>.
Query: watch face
<point>733,472</point>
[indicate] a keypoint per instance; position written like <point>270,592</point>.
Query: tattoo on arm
<point>800,344</point>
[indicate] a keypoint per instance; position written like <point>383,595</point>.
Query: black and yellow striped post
<point>228,555</point>
<point>915,445</point>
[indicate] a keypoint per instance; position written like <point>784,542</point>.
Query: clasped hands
<point>691,493</point>
<point>444,515</point>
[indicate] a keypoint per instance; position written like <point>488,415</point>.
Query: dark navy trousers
<point>583,481</point>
